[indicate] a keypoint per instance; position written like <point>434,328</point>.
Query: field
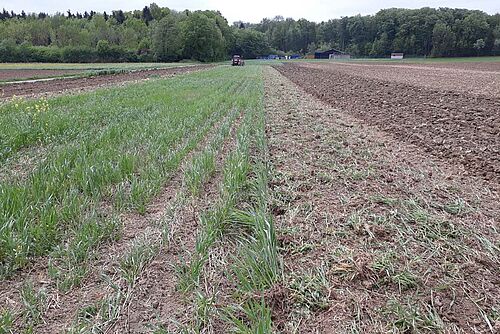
<point>25,82</point>
<point>295,197</point>
<point>29,71</point>
<point>470,61</point>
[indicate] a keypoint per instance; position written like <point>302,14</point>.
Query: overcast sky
<point>253,10</point>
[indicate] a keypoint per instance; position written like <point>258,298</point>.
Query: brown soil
<point>461,127</point>
<point>403,238</point>
<point>447,76</point>
<point>478,67</point>
<point>41,88</point>
<point>6,75</point>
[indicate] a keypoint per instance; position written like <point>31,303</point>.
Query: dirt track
<point>444,119</point>
<point>34,89</point>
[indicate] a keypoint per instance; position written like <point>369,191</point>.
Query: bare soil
<point>18,74</point>
<point>377,234</point>
<point>473,66</point>
<point>445,120</point>
<point>469,78</point>
<point>63,85</point>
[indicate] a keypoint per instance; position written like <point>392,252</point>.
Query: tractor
<point>238,61</point>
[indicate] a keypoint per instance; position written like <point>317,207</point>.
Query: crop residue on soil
<point>377,235</point>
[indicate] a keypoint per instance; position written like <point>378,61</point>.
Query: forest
<point>160,34</point>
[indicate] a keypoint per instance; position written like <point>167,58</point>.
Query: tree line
<point>151,34</point>
<point>161,34</point>
<point>418,32</point>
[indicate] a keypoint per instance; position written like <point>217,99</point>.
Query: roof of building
<point>330,51</point>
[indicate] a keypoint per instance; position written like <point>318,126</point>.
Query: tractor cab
<point>237,61</point>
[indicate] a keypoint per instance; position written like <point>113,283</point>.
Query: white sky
<point>252,11</point>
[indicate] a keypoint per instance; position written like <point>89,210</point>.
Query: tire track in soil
<point>62,308</point>
<point>336,181</point>
<point>463,128</point>
<point>156,300</point>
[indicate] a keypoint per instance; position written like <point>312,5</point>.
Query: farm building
<point>326,54</point>
<point>397,55</point>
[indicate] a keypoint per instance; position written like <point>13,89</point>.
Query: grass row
<point>68,259</point>
<point>115,145</point>
<point>240,217</point>
<point>79,74</point>
<point>69,263</point>
<point>99,316</point>
<point>257,265</point>
<point>83,73</point>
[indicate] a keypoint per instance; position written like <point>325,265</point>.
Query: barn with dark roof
<point>326,54</point>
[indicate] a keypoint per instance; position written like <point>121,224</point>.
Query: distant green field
<point>137,66</point>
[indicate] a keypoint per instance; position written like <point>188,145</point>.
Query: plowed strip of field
<point>377,235</point>
<point>40,88</point>
<point>11,74</point>
<point>469,66</point>
<point>463,128</point>
<point>458,79</point>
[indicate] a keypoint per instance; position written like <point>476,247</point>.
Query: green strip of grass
<point>197,173</point>
<point>241,215</point>
<point>117,145</point>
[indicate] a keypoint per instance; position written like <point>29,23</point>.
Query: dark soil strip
<point>33,89</point>
<point>462,128</point>
<point>26,74</point>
